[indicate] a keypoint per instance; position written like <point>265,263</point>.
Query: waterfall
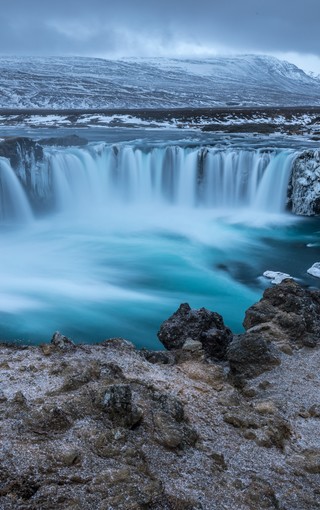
<point>14,206</point>
<point>85,179</point>
<point>122,233</point>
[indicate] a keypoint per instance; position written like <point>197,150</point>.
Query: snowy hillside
<point>74,82</point>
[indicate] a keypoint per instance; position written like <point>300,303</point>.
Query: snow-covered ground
<point>293,121</point>
<point>84,83</point>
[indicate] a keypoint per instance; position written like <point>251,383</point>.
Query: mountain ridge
<point>85,82</point>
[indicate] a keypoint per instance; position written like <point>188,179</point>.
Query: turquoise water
<point>94,280</point>
<point>117,264</point>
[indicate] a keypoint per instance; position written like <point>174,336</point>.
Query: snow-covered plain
<point>84,83</point>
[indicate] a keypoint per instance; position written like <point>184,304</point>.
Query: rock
<point>312,462</point>
<point>265,407</point>
<point>202,326</point>
<point>22,487</point>
<point>49,419</point>
<point>167,432</point>
<point>314,411</point>
<point>192,345</point>
<point>212,375</point>
<point>266,429</point>
<point>219,461</point>
<point>276,276</point>
<point>170,427</point>
<point>241,420</point>
<point>250,355</point>
<point>159,357</point>
<point>70,457</point>
<point>304,187</point>
<point>260,495</point>
<point>62,342</point>
<point>21,151</point>
<point>170,406</point>
<point>291,311</point>
<point>81,376</point>
<point>46,349</point>
<point>314,270</point>
<point>26,158</point>
<point>3,398</point>
<point>118,343</point>
<point>64,141</point>
<point>118,404</point>
<point>20,399</point>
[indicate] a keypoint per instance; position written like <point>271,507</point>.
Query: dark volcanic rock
<point>64,141</point>
<point>250,355</point>
<point>201,326</point>
<point>290,313</point>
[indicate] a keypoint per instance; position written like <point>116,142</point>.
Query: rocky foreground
<point>214,422</point>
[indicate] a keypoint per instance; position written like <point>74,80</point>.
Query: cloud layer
<point>149,27</point>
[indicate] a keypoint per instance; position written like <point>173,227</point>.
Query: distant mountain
<point>314,75</point>
<point>76,82</point>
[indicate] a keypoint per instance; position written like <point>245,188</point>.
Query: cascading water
<point>131,231</point>
<point>14,206</point>
<point>84,179</point>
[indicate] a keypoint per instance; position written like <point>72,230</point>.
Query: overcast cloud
<point>285,28</point>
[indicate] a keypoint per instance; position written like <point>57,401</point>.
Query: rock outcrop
<point>190,328</point>
<point>304,187</point>
<point>287,314</point>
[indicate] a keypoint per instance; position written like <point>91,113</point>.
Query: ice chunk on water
<point>314,270</point>
<point>276,276</point>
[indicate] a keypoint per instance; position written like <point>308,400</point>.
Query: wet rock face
<point>25,156</point>
<point>20,150</point>
<point>289,313</point>
<point>201,326</point>
<point>304,188</point>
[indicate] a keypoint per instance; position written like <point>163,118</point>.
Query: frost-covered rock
<point>314,270</point>
<point>304,188</point>
<point>276,276</point>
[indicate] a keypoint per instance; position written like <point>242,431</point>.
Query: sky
<point>287,29</point>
